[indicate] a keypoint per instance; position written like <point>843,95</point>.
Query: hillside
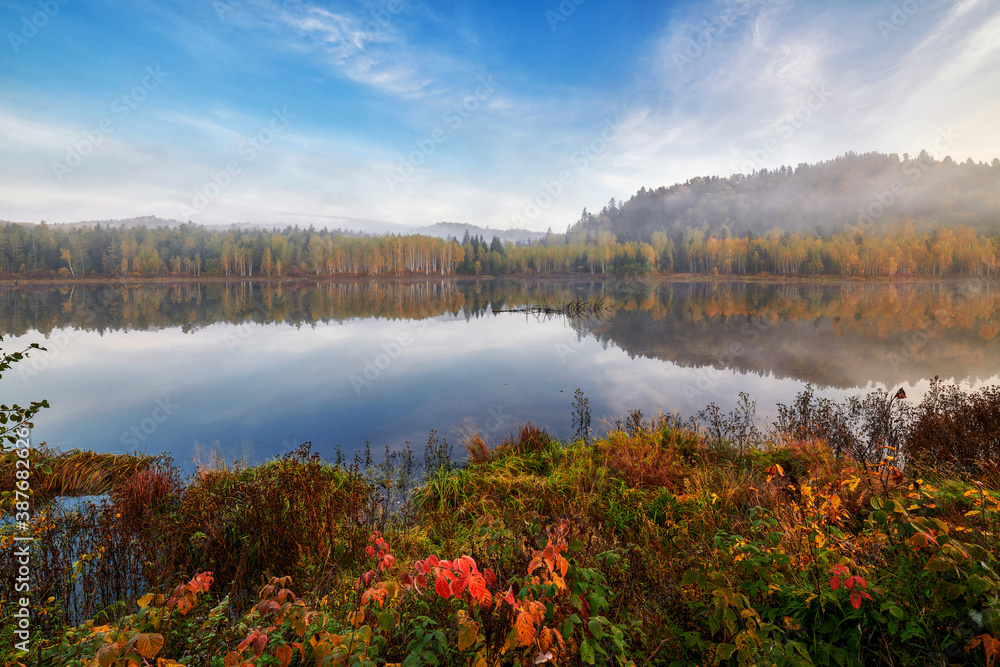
<point>852,193</point>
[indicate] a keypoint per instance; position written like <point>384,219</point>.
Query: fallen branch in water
<point>575,308</point>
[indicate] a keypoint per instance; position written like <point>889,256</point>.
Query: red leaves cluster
<point>185,596</point>
<point>453,578</point>
<point>855,584</point>
<point>378,549</point>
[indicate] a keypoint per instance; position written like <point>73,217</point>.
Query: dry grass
<point>73,473</point>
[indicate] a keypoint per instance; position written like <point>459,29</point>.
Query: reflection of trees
<point>832,335</point>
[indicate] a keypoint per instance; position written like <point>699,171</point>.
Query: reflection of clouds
<point>501,371</point>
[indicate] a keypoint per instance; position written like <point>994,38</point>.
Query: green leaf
<point>386,621</point>
<point>724,651</point>
<point>587,653</point>
<point>799,648</point>
<point>978,585</point>
<point>939,564</point>
<point>595,628</point>
<point>950,590</point>
<point>692,577</point>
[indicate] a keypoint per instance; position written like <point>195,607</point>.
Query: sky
<point>394,113</point>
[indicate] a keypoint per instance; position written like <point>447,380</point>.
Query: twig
<point>653,654</point>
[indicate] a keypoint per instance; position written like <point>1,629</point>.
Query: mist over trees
<point>855,216</point>
<point>853,193</point>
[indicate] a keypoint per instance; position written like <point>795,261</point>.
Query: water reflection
<point>246,366</point>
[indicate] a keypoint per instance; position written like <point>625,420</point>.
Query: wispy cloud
<point>695,88</point>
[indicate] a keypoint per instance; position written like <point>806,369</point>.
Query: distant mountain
<point>850,193</point>
<point>150,221</point>
<point>456,229</point>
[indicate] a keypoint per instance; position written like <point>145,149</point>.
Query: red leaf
<point>258,644</point>
<point>834,582</point>
<point>477,588</point>
<point>443,588</point>
<point>460,583</point>
<point>509,598</point>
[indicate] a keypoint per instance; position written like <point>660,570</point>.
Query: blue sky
<point>398,112</point>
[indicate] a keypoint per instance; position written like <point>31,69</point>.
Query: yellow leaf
<point>145,600</point>
<point>467,635</point>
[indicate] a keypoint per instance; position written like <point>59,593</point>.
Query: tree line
<point>42,251</point>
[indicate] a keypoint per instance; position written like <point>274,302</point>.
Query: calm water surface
<point>254,370</point>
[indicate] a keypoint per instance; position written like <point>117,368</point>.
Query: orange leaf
<point>509,598</point>
<point>148,644</point>
<point>284,655</point>
<point>992,647</point>
<point>525,626</point>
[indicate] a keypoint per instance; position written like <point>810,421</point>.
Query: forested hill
<point>850,194</point>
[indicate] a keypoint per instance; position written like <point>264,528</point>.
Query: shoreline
<point>557,278</point>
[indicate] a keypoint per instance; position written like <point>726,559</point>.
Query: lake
<point>252,370</point>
